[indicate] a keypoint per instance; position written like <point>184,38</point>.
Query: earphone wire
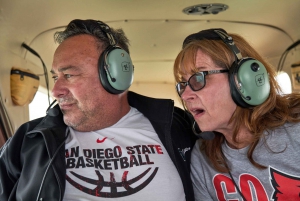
<point>49,165</point>
<point>238,189</point>
<point>236,186</point>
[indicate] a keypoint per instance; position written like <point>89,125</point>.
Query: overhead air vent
<point>204,9</point>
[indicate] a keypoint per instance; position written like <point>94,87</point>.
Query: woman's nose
<point>188,93</point>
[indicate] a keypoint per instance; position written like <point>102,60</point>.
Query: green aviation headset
<point>115,65</point>
<point>248,78</point>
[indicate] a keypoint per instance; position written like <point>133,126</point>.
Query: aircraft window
<point>39,105</point>
<point>284,82</point>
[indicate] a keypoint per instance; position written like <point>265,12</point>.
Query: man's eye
<point>68,75</point>
<point>54,78</point>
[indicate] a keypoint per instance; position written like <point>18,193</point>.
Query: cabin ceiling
<point>155,28</point>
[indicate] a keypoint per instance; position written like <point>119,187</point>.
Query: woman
<point>231,90</point>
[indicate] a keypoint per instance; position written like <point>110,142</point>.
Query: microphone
<point>53,112</point>
<point>112,78</point>
<point>206,135</point>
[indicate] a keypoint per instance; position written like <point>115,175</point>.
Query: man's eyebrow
<point>64,69</point>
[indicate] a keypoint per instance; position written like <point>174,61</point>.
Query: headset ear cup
<point>235,94</point>
<point>255,82</point>
<point>115,70</point>
<point>248,78</point>
<point>253,87</point>
<point>102,73</point>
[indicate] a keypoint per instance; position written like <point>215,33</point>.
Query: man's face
<point>86,105</point>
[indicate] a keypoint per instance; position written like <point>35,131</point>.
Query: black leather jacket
<point>26,168</point>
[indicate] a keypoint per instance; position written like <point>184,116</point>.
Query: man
<point>100,142</point>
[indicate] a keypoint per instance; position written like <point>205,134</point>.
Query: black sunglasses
<point>196,81</point>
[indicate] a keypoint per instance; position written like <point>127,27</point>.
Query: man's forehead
<point>82,42</point>
<point>62,69</point>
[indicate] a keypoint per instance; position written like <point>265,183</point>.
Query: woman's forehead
<point>187,68</point>
<point>188,61</point>
<point>195,61</point>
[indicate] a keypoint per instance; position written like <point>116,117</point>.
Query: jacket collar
<point>154,109</point>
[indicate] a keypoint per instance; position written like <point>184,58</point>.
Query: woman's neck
<point>244,138</point>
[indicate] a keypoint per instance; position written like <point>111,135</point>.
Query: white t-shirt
<point>125,162</point>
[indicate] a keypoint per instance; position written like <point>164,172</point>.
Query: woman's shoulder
<point>291,127</point>
<point>289,131</point>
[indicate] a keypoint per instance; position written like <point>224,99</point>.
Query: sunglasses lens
<point>197,81</point>
<point>180,88</point>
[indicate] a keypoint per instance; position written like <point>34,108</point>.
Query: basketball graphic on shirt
<point>112,159</point>
<point>126,161</point>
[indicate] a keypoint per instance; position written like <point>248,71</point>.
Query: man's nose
<point>59,89</point>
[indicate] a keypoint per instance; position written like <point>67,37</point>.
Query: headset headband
<point>214,34</point>
<point>91,25</point>
<point>209,34</point>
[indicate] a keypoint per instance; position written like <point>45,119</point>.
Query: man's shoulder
<point>182,116</point>
<point>29,125</point>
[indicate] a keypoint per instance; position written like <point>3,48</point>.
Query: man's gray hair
<point>98,29</point>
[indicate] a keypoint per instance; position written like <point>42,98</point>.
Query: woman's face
<point>212,106</point>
